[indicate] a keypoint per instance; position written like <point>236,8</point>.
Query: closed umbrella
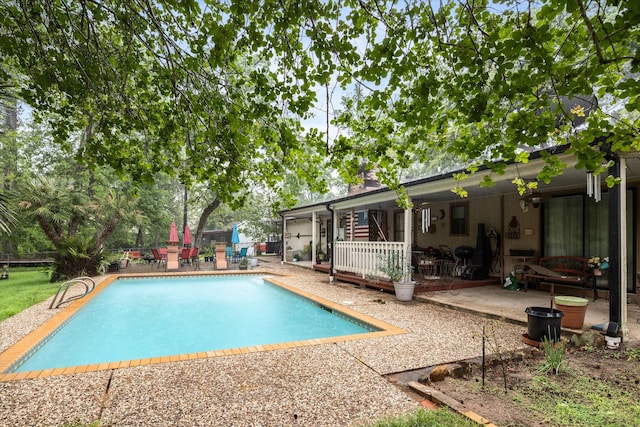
<point>235,238</point>
<point>173,234</point>
<point>186,239</point>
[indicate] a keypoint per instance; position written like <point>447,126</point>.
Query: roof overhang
<point>439,188</point>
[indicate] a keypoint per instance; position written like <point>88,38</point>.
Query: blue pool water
<point>140,318</point>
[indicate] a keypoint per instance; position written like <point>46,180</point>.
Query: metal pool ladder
<point>88,283</point>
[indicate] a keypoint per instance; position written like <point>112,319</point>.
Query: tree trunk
<point>140,238</point>
<point>204,216</point>
<point>184,210</point>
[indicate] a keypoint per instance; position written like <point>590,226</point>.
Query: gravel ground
<point>323,385</point>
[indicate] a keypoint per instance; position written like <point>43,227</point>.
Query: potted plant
<point>399,272</point>
<point>306,252</point>
<point>320,255</point>
<point>243,264</point>
<point>253,261</point>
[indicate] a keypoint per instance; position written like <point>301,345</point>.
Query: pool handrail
<point>89,286</point>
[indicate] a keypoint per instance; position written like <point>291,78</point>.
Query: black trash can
<point>543,322</point>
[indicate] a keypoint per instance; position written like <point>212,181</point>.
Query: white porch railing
<point>365,258</point>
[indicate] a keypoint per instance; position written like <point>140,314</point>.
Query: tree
<point>491,82</point>
<point>8,152</point>
<point>159,205</point>
<point>225,85</point>
<point>159,83</point>
<point>7,218</point>
<point>63,209</point>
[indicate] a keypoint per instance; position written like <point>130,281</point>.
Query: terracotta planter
<point>574,309</point>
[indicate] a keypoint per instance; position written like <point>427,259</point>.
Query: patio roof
<point>438,188</point>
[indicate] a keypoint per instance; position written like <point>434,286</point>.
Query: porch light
<point>536,200</point>
<point>533,198</point>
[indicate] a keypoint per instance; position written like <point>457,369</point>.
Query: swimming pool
<point>159,318</point>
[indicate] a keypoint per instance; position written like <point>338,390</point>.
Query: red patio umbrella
<point>186,239</point>
<point>173,234</point>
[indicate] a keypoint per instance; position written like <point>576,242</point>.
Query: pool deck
<point>326,384</point>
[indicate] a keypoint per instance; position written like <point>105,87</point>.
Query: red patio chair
<point>159,258</point>
<point>184,256</point>
<point>195,258</point>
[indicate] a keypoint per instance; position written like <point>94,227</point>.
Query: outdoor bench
<point>135,255</point>
<point>564,270</point>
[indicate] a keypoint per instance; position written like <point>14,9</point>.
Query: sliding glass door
<point>577,225</point>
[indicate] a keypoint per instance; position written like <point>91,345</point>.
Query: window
<point>459,218</point>
<point>363,218</point>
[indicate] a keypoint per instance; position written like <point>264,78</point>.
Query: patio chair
<point>243,253</point>
<point>158,258</point>
<point>440,269</point>
<point>185,256</point>
<point>229,254</point>
<point>195,258</point>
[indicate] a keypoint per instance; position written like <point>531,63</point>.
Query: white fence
<point>365,258</point>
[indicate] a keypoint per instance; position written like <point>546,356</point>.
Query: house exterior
<point>559,218</point>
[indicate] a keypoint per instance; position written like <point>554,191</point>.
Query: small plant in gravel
<point>554,357</point>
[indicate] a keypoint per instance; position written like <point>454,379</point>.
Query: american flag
<point>359,231</point>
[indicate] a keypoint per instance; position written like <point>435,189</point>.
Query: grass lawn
<point>442,417</point>
<point>24,288</point>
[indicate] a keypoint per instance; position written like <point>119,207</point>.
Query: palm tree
<point>76,224</point>
<point>7,218</point>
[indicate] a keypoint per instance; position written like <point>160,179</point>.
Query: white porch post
<point>352,214</point>
<point>618,247</point>
<point>332,242</point>
<point>622,188</point>
<point>313,238</point>
<point>284,240</point>
<point>408,228</point>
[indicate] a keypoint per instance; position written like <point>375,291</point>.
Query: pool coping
<point>32,340</point>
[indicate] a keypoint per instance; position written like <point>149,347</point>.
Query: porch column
<point>408,228</point>
<point>313,238</point>
<point>284,240</point>
<point>352,216</point>
<point>331,239</point>
<point>618,247</point>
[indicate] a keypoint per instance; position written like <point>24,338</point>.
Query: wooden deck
<point>422,285</point>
